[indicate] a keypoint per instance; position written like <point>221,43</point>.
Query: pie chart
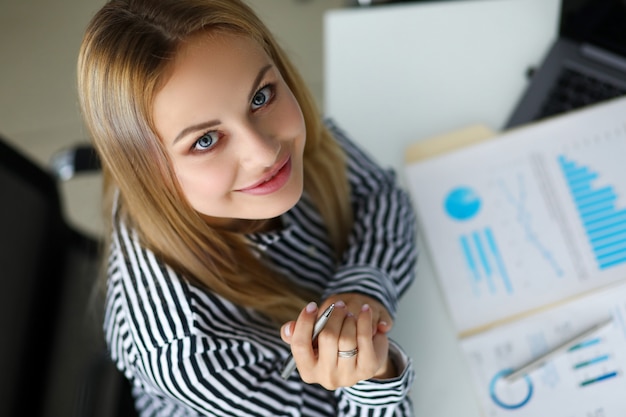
<point>462,203</point>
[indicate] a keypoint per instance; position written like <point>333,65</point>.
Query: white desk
<point>397,74</point>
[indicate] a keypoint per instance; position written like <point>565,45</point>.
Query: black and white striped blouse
<point>189,352</point>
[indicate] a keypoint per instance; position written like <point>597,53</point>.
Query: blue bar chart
<point>484,261</point>
<point>604,223</point>
<point>593,366</point>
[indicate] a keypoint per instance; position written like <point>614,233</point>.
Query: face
<point>233,130</point>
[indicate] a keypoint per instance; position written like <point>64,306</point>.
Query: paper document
<point>527,235</point>
<point>531,218</point>
<point>585,381</point>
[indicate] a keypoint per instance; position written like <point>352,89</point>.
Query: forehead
<point>215,58</point>
<point>222,48</point>
<point>209,74</point>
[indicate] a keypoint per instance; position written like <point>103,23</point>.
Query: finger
<point>381,319</point>
<point>384,322</point>
<point>354,305</point>
<point>347,337</point>
<point>301,345</point>
<point>333,326</point>
<point>367,359</point>
<point>381,348</point>
<point>286,331</point>
<point>346,352</point>
<point>328,339</point>
<point>364,328</point>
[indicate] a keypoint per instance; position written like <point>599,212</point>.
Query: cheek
<point>202,185</point>
<point>292,115</point>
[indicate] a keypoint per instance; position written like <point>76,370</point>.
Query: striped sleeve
<point>381,257</point>
<point>189,352</point>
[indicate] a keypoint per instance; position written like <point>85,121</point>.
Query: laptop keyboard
<point>575,90</point>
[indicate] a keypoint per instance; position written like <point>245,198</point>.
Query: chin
<point>280,204</point>
<point>279,209</point>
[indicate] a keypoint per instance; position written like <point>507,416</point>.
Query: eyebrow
<point>211,123</point>
<point>257,80</point>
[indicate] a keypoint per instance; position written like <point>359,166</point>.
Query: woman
<point>235,211</point>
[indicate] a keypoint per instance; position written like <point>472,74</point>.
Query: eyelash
<point>270,99</point>
<point>212,145</point>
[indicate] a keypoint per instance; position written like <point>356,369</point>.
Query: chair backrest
<point>32,240</point>
<point>53,360</point>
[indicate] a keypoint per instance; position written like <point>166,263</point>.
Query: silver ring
<point>347,353</point>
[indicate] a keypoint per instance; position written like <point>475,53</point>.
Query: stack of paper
<point>527,233</point>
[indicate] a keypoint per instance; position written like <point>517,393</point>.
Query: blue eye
<point>206,141</point>
<point>262,97</point>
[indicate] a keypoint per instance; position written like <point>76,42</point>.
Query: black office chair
<point>53,360</point>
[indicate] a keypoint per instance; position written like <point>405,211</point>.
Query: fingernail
<point>340,304</point>
<point>365,307</point>
<point>287,330</point>
<point>383,323</point>
<point>311,307</point>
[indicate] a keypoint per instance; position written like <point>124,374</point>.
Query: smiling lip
<point>272,182</point>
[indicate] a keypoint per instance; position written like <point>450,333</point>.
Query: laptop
<point>585,65</point>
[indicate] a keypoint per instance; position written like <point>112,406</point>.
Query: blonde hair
<point>123,62</point>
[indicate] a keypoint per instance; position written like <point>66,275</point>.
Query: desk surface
<point>400,73</point>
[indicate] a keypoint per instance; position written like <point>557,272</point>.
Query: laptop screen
<point>598,22</point>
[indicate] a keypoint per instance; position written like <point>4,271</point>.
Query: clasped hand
<point>358,322</point>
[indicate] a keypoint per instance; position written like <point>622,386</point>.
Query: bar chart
<point>603,221</point>
<point>484,261</point>
<point>592,362</point>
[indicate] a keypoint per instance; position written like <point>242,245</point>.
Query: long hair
<point>124,59</point>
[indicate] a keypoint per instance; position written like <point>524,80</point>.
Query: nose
<point>258,148</point>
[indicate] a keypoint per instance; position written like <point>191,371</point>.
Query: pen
<point>541,360</point>
<point>290,364</point>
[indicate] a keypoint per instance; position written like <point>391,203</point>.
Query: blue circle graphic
<point>499,402</point>
<point>462,203</point>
